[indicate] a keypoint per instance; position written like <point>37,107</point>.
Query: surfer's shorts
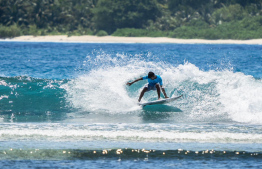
<point>149,87</point>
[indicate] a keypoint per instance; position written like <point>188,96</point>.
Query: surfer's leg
<point>142,93</point>
<point>158,90</point>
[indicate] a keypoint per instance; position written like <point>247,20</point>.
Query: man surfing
<point>154,83</point>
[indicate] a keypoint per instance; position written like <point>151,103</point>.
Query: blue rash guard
<point>152,83</point>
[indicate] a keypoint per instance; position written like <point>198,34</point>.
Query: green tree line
<point>207,19</point>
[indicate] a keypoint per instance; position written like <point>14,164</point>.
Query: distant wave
<point>131,132</point>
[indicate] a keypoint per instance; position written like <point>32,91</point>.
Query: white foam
<point>222,94</point>
<point>240,95</point>
<point>4,97</point>
<point>130,132</point>
<point>101,90</point>
<point>104,87</point>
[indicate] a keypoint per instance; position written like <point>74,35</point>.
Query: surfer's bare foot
<point>139,100</point>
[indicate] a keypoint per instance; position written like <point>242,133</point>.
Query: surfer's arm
<point>164,92</point>
<point>130,83</point>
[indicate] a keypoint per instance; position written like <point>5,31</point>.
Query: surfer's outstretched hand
<point>129,83</point>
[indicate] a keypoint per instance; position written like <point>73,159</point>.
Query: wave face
<point>220,95</point>
<point>29,99</point>
<point>215,94</point>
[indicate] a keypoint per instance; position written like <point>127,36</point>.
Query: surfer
<point>154,83</point>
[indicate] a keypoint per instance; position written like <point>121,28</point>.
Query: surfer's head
<point>151,74</point>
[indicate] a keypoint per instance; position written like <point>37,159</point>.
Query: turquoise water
<point>66,105</point>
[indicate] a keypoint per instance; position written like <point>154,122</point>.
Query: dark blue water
<point>67,105</point>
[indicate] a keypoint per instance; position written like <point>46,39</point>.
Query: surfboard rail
<point>162,101</point>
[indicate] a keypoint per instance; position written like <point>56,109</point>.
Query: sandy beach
<point>114,39</point>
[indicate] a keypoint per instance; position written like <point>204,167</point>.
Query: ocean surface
<point>67,105</point>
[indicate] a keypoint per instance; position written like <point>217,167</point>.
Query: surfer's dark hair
<point>151,74</point>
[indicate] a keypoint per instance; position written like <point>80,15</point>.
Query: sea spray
<point>208,94</point>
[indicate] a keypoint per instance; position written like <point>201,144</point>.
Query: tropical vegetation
<point>207,19</point>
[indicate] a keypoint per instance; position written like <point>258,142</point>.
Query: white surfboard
<point>162,101</point>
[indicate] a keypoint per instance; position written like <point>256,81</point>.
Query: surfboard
<point>162,101</point>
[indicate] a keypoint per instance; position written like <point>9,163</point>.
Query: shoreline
<point>115,39</point>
